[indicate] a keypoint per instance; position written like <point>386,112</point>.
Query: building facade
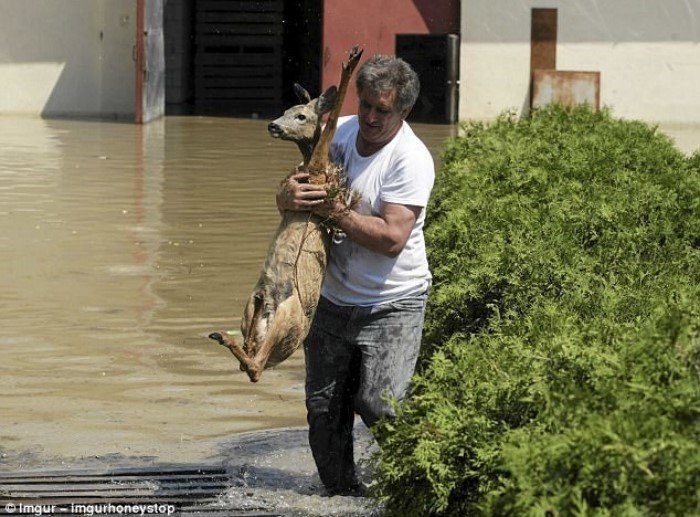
<point>67,58</point>
<point>646,51</point>
<point>83,57</point>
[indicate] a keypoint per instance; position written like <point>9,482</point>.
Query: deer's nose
<point>273,128</point>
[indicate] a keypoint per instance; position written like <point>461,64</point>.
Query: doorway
<point>240,58</point>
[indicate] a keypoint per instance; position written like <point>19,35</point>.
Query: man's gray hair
<point>382,73</point>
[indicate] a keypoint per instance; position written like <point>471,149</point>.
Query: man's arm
<point>386,233</point>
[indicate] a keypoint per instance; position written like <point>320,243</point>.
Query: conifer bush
<point>561,364</point>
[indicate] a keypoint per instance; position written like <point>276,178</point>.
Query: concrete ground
<point>276,473</point>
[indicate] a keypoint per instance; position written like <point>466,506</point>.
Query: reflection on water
<point>122,246</point>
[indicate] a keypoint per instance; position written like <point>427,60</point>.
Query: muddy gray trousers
<point>356,356</point>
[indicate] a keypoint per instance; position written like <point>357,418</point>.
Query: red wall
<point>374,24</point>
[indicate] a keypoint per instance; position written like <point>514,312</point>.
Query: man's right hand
<point>298,195</point>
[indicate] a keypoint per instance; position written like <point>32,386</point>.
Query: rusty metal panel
<point>543,39</point>
<point>568,88</point>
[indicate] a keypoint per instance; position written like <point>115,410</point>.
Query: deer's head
<point>302,123</point>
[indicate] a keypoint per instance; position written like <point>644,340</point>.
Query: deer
<point>278,314</point>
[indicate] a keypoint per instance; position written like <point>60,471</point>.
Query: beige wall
<point>67,57</point>
<point>648,53</point>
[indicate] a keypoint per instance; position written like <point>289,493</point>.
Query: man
<point>365,337</point>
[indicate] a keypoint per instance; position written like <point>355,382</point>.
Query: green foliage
<point>562,345</point>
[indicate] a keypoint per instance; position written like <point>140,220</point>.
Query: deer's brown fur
<point>278,314</point>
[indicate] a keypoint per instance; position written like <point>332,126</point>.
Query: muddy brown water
<point>122,247</point>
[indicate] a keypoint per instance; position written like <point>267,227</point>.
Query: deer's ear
<point>326,100</point>
<point>303,95</point>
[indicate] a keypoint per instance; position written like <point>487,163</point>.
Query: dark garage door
<point>238,57</point>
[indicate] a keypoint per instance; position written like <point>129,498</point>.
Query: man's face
<point>379,119</point>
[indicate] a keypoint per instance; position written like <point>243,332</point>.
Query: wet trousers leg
<point>356,357</point>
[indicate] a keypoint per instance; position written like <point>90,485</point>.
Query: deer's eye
<point>301,118</point>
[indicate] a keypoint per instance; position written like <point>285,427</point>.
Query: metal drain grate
<point>180,491</point>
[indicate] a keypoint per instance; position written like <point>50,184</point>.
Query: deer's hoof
<point>216,336</point>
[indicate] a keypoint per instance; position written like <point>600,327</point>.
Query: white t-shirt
<point>400,172</point>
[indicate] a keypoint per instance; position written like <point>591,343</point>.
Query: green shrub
<point>561,361</point>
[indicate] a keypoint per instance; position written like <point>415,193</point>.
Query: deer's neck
<point>306,147</point>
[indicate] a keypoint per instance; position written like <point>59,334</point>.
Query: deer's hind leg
<point>288,323</point>
<point>244,355</point>
<point>230,342</point>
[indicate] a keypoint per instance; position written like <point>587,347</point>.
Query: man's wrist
<point>338,213</point>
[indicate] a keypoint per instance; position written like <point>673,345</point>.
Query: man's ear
<point>326,100</point>
<point>302,94</point>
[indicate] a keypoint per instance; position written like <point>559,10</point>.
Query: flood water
<point>122,247</point>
